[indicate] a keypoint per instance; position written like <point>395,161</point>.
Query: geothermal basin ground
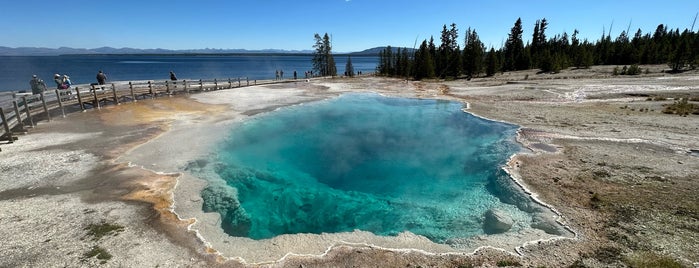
<point>121,186</point>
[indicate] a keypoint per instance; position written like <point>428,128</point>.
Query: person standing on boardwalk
<point>37,84</point>
<point>66,82</point>
<point>101,78</point>
<point>294,74</point>
<point>172,76</point>
<point>59,82</point>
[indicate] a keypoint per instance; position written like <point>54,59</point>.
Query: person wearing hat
<point>58,80</point>
<point>37,85</point>
<point>66,82</point>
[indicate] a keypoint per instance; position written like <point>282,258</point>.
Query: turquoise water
<point>362,161</point>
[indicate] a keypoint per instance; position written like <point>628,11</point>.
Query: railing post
<point>167,86</point>
<point>247,80</point>
<point>80,99</point>
<point>19,116</point>
<point>186,90</point>
<point>238,81</point>
<point>96,102</point>
<point>46,108</point>
<point>6,125</point>
<point>60,103</point>
<point>150,90</point>
<point>29,113</point>
<point>116,99</point>
<point>201,85</point>
<point>133,95</point>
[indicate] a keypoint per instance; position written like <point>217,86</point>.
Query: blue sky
<point>354,24</point>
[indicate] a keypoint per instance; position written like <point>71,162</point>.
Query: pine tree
<point>332,68</point>
<point>473,56</point>
<point>424,63</point>
<point>406,63</point>
<point>491,63</point>
<point>349,69</point>
<point>323,61</point>
<point>319,61</point>
<point>514,58</point>
<point>539,42</point>
<point>449,53</point>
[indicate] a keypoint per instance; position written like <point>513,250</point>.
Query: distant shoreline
<point>254,54</point>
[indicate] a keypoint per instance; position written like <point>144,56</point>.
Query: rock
<point>546,223</point>
<point>496,221</point>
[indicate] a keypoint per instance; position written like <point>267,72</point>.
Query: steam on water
<point>361,161</point>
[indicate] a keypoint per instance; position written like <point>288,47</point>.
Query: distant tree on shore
<point>491,66</point>
<point>424,63</point>
<point>514,58</point>
<point>323,61</point>
<point>473,55</point>
<point>679,50</point>
<point>449,54</point>
<point>349,69</point>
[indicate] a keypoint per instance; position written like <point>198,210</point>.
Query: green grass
<point>505,263</point>
<point>103,229</point>
<point>651,260</point>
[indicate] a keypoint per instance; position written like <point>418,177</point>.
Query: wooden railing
<point>27,109</point>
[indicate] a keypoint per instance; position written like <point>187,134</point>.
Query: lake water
<point>363,161</point>
<point>16,71</point>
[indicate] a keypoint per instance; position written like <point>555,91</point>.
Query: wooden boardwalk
<point>27,109</point>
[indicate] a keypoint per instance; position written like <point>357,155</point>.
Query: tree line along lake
<point>16,71</point>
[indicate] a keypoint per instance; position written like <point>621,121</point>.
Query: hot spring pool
<point>363,162</point>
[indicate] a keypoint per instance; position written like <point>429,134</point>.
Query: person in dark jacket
<point>58,80</point>
<point>37,84</point>
<point>172,76</point>
<point>101,78</point>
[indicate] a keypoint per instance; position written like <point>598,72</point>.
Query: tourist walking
<point>65,82</point>
<point>59,82</point>
<point>172,76</point>
<point>101,78</point>
<point>38,85</point>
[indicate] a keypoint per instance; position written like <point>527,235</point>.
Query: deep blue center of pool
<point>362,162</point>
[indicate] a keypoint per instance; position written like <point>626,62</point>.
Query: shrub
<point>633,70</point>
<point>505,263</point>
<point>681,107</point>
<point>650,259</point>
<point>98,231</point>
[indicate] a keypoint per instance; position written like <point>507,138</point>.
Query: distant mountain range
<point>43,51</point>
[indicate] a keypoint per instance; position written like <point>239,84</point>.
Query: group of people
<point>279,75</point>
<point>38,85</point>
<point>62,82</point>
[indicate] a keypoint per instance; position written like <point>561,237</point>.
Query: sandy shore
<point>618,172</point>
